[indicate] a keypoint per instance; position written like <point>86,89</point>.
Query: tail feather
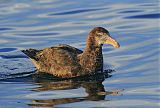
<point>31,53</point>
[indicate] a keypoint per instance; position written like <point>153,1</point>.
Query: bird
<point>65,61</point>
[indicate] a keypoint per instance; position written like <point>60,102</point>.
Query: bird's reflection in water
<point>92,84</point>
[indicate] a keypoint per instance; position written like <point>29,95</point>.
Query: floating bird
<point>66,61</point>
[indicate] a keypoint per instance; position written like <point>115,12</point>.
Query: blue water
<point>43,23</point>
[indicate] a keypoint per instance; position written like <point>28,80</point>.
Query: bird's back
<point>59,60</point>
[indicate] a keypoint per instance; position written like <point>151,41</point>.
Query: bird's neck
<point>92,57</point>
<point>92,53</point>
<point>92,48</point>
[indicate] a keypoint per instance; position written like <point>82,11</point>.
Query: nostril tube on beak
<point>113,42</point>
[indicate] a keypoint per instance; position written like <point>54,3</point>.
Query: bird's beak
<point>111,41</point>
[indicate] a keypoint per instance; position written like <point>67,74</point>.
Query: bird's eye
<point>99,34</point>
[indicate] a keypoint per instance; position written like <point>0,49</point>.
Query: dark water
<point>43,23</point>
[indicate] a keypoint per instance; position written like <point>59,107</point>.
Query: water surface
<point>43,23</point>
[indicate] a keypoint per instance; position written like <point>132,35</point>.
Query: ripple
<point>39,34</point>
<point>131,11</point>
<point>7,49</point>
<point>12,56</point>
<point>145,16</point>
<point>56,95</point>
<point>76,11</point>
<point>3,29</point>
<point>148,4</point>
<point>13,8</point>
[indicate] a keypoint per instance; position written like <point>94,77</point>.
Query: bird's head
<point>101,36</point>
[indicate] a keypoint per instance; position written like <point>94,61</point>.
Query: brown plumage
<point>66,61</point>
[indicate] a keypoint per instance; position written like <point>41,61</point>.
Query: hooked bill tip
<point>117,45</point>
